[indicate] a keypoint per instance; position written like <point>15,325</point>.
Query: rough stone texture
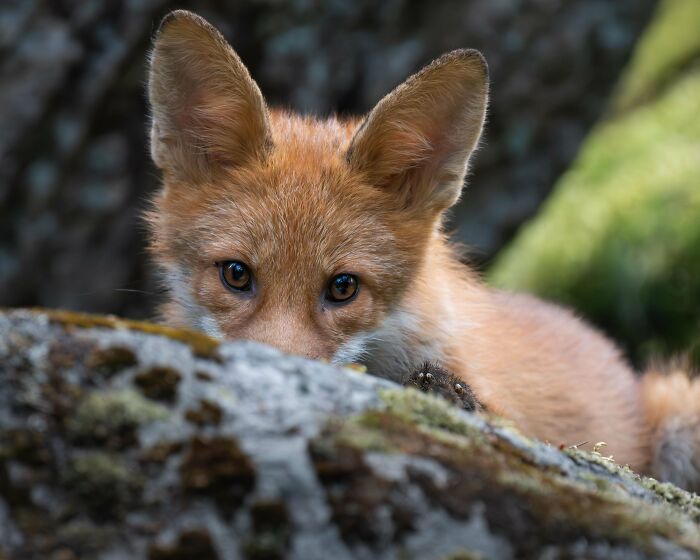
<point>74,167</point>
<point>247,453</point>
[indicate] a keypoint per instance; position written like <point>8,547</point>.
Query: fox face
<point>302,257</point>
<point>310,235</point>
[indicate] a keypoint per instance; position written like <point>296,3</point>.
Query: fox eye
<point>235,275</point>
<point>342,288</point>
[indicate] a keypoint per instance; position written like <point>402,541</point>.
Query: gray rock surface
<point>128,440</point>
<point>74,166</point>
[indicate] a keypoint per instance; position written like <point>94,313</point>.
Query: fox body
<point>324,238</point>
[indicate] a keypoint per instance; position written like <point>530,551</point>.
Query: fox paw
<point>431,378</point>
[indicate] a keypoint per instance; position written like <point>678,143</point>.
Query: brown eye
<point>342,288</point>
<point>235,275</point>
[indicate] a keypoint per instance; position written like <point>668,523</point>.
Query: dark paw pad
<point>431,378</point>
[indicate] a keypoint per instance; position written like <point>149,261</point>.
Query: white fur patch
<point>180,286</point>
<point>351,351</point>
<point>393,349</point>
<point>209,326</point>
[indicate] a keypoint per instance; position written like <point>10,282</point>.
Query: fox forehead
<point>301,208</point>
<point>282,222</point>
<point>306,138</point>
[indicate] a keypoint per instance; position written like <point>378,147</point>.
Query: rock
<point>254,454</point>
<point>619,240</point>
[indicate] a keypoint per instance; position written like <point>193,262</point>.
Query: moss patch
<point>364,432</point>
<point>102,483</point>
<point>428,412</point>
<point>531,504</point>
<point>686,501</point>
<point>112,416</point>
<point>201,345</point>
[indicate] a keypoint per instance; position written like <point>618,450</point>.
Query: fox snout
<point>289,335</point>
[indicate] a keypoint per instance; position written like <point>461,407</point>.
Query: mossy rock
<point>262,455</point>
<point>619,240</point>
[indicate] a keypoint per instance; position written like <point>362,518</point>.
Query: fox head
<point>301,233</point>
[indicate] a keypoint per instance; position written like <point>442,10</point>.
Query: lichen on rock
<point>104,415</point>
<point>260,455</point>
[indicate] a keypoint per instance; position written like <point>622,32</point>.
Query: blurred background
<point>586,189</point>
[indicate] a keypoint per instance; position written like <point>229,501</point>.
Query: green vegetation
<point>670,45</point>
<point>619,239</point>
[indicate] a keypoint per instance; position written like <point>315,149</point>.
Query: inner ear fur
<point>207,112</point>
<point>418,139</point>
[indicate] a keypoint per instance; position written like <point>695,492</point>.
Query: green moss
<point>619,239</point>
<point>506,477</point>
<point>365,433</point>
<point>581,457</point>
<point>102,482</point>
<point>669,45</point>
<point>591,504</point>
<point>687,502</point>
<point>201,344</point>
<point>427,412</point>
<point>102,414</point>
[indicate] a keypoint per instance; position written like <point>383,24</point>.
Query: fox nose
<point>298,348</point>
<point>290,337</point>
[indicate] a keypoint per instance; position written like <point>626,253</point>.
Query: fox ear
<point>207,111</point>
<point>418,139</point>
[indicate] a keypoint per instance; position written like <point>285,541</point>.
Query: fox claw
<point>431,378</point>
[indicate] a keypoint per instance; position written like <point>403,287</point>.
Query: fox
<point>325,238</point>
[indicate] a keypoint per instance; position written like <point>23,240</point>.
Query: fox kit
<point>324,238</point>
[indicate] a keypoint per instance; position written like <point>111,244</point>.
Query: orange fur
<point>299,200</point>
